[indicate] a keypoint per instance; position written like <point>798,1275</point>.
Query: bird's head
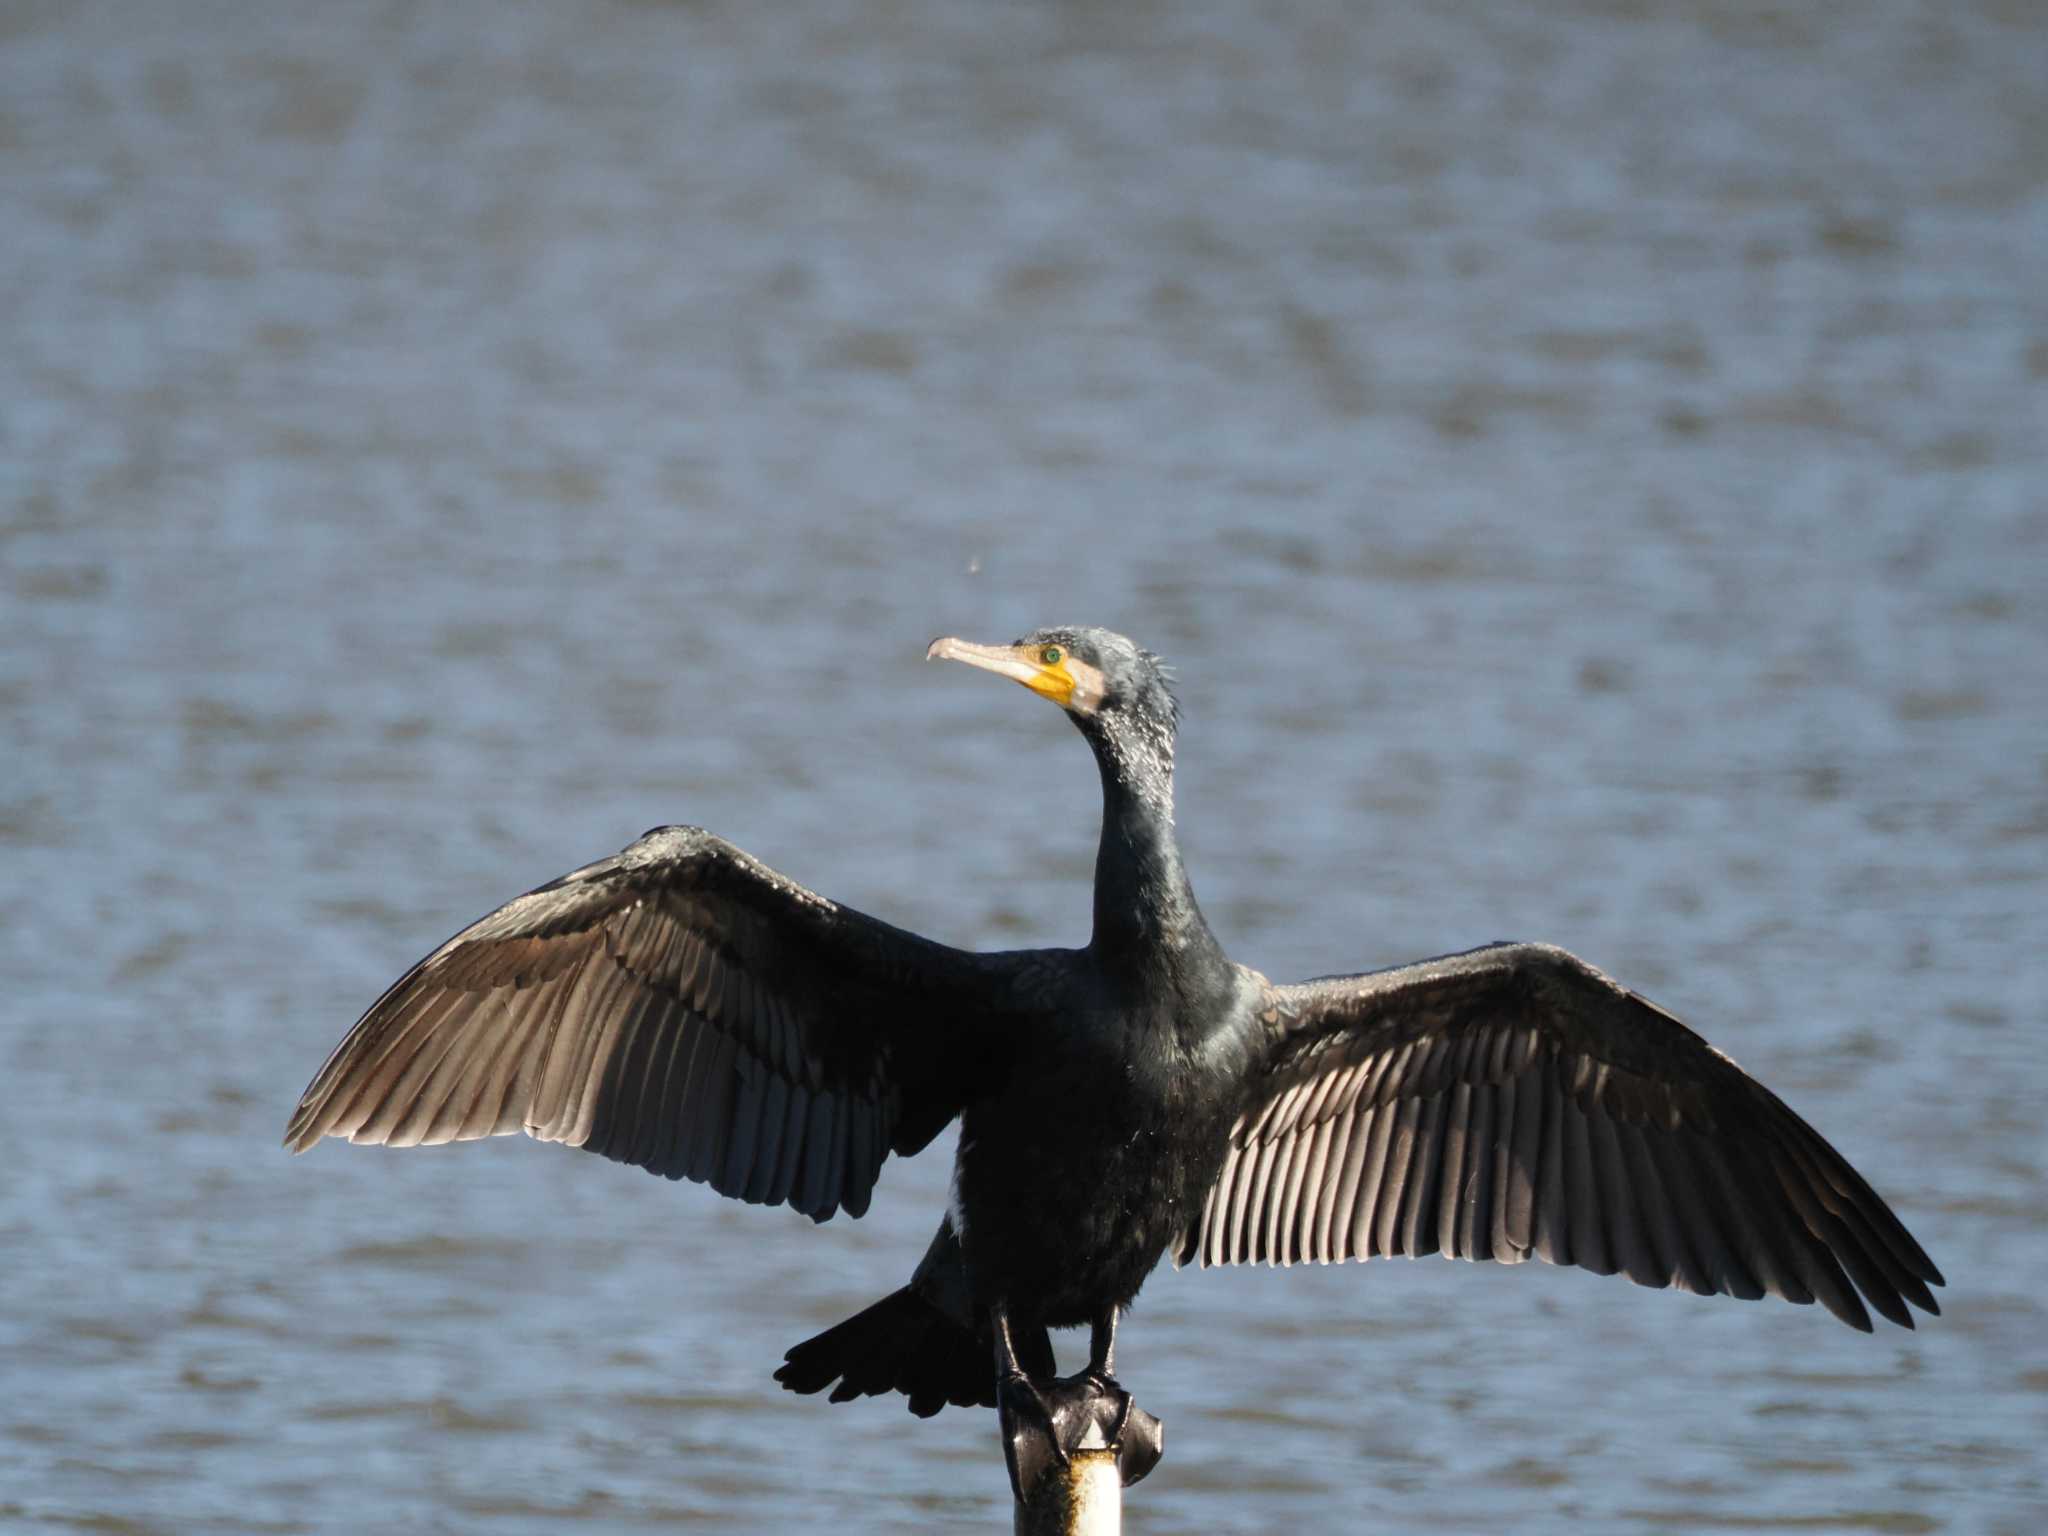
<point>1102,680</point>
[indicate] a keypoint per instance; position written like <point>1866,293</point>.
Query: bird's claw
<point>1031,1439</point>
<point>1019,1397</point>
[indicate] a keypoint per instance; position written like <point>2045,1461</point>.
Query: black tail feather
<point>903,1343</point>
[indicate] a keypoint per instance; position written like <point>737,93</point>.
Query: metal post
<point>1085,1497</point>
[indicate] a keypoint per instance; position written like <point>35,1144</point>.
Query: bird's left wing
<point>1513,1101</point>
<point>679,1006</point>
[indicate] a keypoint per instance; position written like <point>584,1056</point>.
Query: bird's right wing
<point>1513,1101</point>
<point>682,1007</point>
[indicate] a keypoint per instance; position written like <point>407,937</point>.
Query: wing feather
<point>1372,1179</point>
<point>1216,1210</point>
<point>1591,1248</point>
<point>1457,1133</point>
<point>490,1085</point>
<point>774,1122</point>
<point>1339,1182</point>
<point>1248,1201</point>
<point>1418,1228</point>
<point>1513,1183</point>
<point>868,1147</point>
<point>820,1153</point>
<point>1553,1208</point>
<point>1514,1101</point>
<point>1475,1200</point>
<point>1281,1186</point>
<point>682,1007</point>
<point>721,1085</point>
<point>795,1119</point>
<point>1386,1217</point>
<point>685,1097</point>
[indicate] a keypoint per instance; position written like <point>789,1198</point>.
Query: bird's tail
<point>904,1343</point>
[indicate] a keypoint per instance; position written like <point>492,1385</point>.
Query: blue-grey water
<point>1586,462</point>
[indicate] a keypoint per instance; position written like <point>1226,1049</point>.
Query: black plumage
<point>682,1007</point>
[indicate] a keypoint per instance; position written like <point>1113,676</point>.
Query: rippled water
<point>1585,461</point>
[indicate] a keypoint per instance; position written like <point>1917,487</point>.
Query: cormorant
<point>684,1007</point>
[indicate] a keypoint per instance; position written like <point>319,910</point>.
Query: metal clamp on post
<point>1072,1447</point>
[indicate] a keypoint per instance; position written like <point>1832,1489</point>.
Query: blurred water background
<point>1585,460</point>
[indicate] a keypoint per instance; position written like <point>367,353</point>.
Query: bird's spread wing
<point>1513,1101</point>
<point>679,1006</point>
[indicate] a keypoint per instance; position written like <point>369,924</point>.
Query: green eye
<point>1051,655</point>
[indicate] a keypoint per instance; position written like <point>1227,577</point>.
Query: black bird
<point>684,1007</point>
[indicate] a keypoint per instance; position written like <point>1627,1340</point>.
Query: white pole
<point>1083,1497</point>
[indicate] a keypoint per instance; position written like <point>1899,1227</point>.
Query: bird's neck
<point>1144,906</point>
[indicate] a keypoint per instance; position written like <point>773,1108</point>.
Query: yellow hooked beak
<point>1068,683</point>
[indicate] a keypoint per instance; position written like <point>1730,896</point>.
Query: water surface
<point>1585,462</point>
